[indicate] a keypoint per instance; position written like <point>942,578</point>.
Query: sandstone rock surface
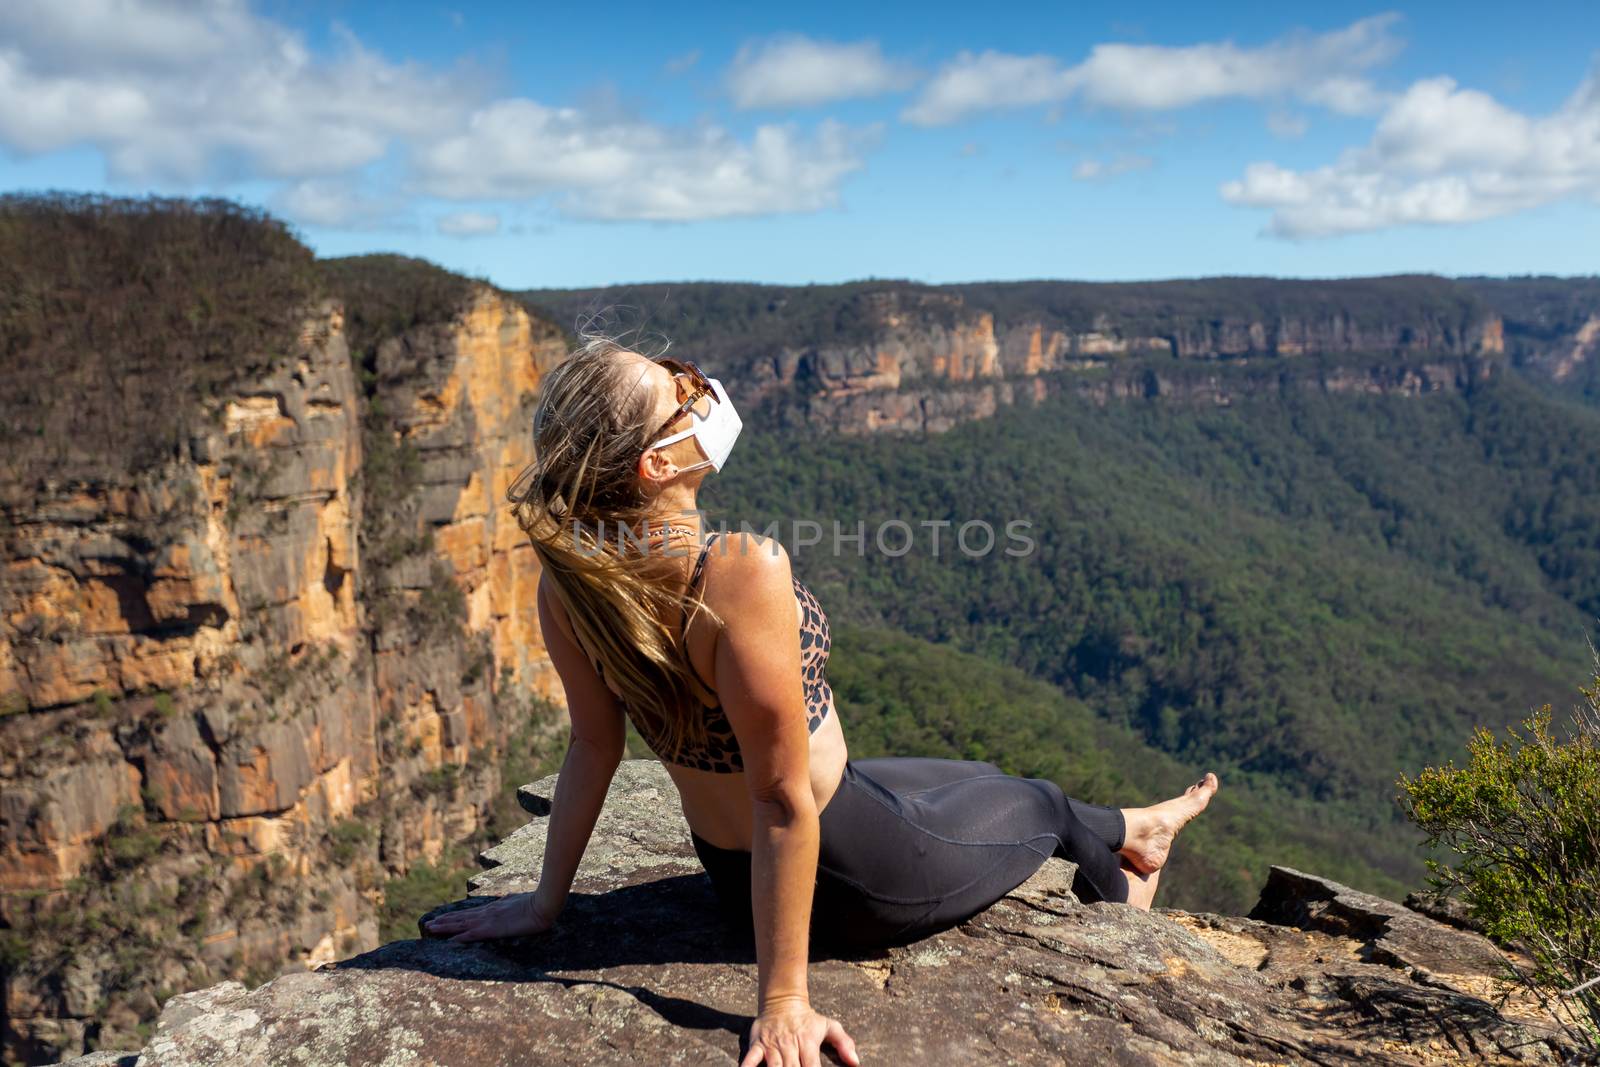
<point>641,970</point>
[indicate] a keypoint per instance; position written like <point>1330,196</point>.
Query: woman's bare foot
<point>1150,831</point>
<point>1141,887</point>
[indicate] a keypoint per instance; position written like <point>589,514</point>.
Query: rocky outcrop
<point>1585,343</point>
<point>1562,354</point>
<point>641,970</point>
<point>244,688</point>
<point>889,339</point>
<point>935,410</point>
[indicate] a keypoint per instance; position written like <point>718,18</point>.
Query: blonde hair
<point>574,502</point>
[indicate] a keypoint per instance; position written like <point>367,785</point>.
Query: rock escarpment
<point>893,356</point>
<point>249,684</point>
<point>640,970</point>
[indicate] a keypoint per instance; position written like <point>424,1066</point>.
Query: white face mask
<point>714,432</point>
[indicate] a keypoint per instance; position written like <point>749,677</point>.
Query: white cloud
<point>797,71</point>
<point>338,204</point>
<point>987,80</point>
<point>180,92</point>
<point>1322,69</point>
<point>627,169</point>
<point>1100,169</point>
<point>1440,155</point>
<point>184,94</point>
<point>469,224</point>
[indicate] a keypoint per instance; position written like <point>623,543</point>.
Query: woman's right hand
<point>792,1036</point>
<point>513,915</point>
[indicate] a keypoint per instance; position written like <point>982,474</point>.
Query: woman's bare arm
<point>759,682</point>
<point>598,739</point>
<point>598,735</point>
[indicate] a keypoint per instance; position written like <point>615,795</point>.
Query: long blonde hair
<point>575,500</point>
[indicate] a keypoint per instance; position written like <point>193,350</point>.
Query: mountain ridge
<point>893,355</point>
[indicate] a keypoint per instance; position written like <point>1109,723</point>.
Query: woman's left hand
<point>792,1036</point>
<point>514,915</point>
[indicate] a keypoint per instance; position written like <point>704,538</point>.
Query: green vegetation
<point>734,326</point>
<point>729,324</point>
<point>387,295</point>
<point>1163,309</point>
<point>131,840</point>
<point>531,753</point>
<point>13,950</point>
<point>424,886</point>
<point>1520,825</point>
<point>138,310</point>
<point>441,608</point>
<point>436,781</point>
<point>349,838</point>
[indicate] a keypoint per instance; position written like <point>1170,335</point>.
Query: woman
<point>716,652</point>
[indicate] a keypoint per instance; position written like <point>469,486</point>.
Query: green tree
<point>1522,824</point>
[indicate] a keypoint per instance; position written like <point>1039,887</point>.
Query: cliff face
<point>453,616</point>
<point>921,407</point>
<point>246,686</point>
<point>896,357</point>
<point>640,969</point>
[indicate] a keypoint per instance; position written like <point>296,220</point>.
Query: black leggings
<point>913,845</point>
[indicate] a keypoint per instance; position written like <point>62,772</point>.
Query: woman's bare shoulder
<point>744,568</point>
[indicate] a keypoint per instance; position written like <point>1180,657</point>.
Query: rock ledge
<point>639,970</point>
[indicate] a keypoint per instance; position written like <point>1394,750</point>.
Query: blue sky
<point>593,144</point>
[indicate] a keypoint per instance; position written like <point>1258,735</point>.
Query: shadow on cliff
<point>636,928</point>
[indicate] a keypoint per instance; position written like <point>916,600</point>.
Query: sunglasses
<point>698,386</point>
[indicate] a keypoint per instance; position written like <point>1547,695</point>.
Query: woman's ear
<point>655,468</point>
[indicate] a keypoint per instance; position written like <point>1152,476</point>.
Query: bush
<point>348,838</point>
<point>1523,822</point>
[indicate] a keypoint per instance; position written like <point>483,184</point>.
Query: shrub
<point>131,841</point>
<point>348,838</point>
<point>1522,821</point>
<point>163,706</point>
<point>423,886</point>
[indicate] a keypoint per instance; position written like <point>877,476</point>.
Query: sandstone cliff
<point>870,357</point>
<point>248,685</point>
<point>639,970</point>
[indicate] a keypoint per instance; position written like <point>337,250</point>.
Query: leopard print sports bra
<point>720,753</point>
